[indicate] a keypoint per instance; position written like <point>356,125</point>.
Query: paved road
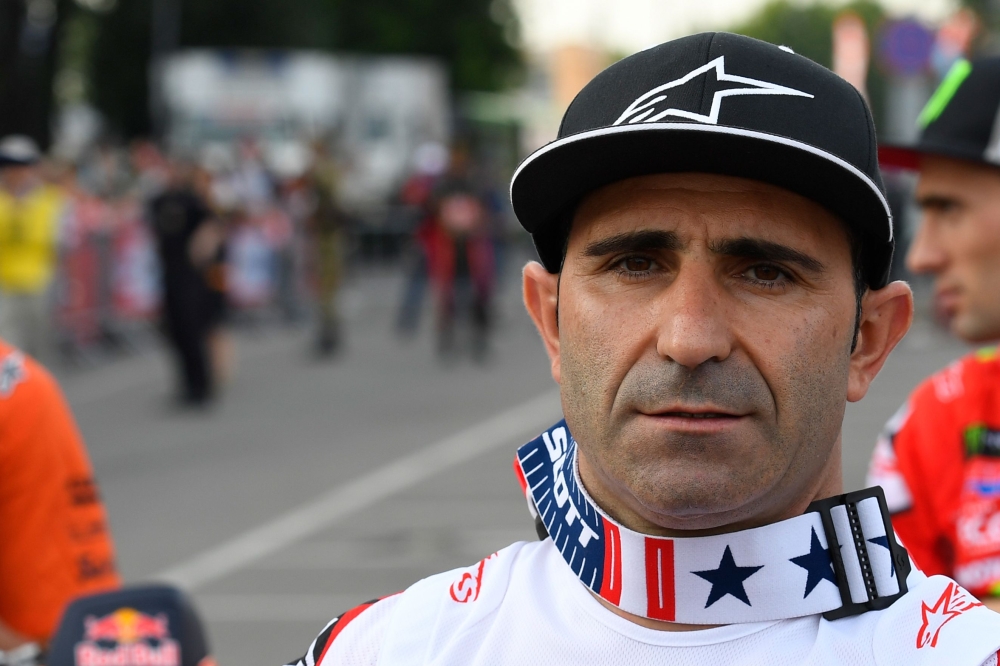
<point>318,485</point>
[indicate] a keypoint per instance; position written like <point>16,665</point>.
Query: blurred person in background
<point>55,543</point>
<point>251,179</point>
<point>150,170</point>
<point>212,250</point>
<point>938,458</point>
<point>105,170</point>
<point>462,261</point>
<point>191,244</point>
<point>417,198</point>
<point>326,225</point>
<point>31,217</point>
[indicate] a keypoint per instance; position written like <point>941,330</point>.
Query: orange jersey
<point>54,539</point>
<point>938,461</point>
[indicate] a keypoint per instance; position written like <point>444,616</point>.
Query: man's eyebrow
<point>633,241</point>
<point>937,201</point>
<point>755,248</point>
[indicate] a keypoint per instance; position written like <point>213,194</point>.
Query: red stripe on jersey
<point>343,621</point>
<point>660,579</point>
<point>611,581</point>
<point>520,476</point>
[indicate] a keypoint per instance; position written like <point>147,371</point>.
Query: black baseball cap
<point>961,120</point>
<point>713,103</point>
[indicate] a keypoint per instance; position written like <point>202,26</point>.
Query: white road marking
<point>402,474</point>
<point>270,608</point>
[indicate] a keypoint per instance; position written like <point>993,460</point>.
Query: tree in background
<point>808,30</point>
<point>29,38</point>
<point>472,37</point>
<point>988,12</point>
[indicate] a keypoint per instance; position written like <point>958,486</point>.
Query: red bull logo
<point>127,637</point>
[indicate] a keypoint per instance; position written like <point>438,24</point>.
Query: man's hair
<point>860,283</point>
<point>857,269</point>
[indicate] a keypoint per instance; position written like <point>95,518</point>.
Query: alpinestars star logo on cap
<point>655,104</point>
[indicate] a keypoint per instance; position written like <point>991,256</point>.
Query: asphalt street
<point>316,485</point>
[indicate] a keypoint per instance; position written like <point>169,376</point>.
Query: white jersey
<point>524,606</point>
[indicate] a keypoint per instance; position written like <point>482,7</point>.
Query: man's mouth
<point>946,301</point>
<point>698,415</point>
<point>695,421</point>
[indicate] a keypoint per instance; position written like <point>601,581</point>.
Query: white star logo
<point>648,108</point>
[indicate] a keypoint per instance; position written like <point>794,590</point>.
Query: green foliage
<point>75,51</point>
<point>808,30</point>
<point>472,37</point>
<point>119,67</point>
<point>985,9</point>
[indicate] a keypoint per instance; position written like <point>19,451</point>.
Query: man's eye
<point>636,264</point>
<point>766,273</point>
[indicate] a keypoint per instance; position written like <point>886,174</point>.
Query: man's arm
<point>10,639</point>
<point>54,543</point>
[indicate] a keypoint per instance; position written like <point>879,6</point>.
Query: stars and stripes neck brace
<point>839,558</point>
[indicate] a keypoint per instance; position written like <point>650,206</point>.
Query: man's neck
<point>619,503</point>
<point>828,485</point>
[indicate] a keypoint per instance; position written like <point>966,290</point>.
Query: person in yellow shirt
<point>30,219</point>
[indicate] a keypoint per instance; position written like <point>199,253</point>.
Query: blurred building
<point>376,110</point>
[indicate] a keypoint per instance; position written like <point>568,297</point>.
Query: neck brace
<point>839,558</point>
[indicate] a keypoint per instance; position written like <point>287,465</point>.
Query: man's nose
<point>694,322</point>
<point>926,254</point>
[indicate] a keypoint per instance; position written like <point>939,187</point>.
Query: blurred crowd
<point>126,241</point>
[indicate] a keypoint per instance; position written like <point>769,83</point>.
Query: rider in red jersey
<point>939,456</point>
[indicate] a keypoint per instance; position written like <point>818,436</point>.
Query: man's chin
<point>973,329</point>
<point>705,506</point>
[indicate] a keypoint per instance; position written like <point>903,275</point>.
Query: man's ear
<point>886,315</point>
<point>541,299</point>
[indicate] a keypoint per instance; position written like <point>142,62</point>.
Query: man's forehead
<point>947,176</point>
<point>713,203</point>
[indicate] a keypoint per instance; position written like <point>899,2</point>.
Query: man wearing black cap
<point>939,456</point>
<point>715,247</point>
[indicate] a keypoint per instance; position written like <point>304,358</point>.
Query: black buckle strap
<point>900,557</point>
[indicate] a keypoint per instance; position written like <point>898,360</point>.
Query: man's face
<point>959,243</point>
<point>705,327</point>
<point>16,178</point>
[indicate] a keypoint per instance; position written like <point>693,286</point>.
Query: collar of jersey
<point>773,572</point>
<point>583,599</point>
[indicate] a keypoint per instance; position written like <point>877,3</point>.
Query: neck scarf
<point>783,570</point>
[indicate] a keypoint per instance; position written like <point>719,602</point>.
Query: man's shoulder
<point>937,621</point>
<point>353,638</point>
<point>22,379</point>
<point>964,379</point>
<point>429,610</point>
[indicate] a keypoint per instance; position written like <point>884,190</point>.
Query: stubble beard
<point>679,481</point>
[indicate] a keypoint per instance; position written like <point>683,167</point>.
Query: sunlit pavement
<point>187,491</point>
